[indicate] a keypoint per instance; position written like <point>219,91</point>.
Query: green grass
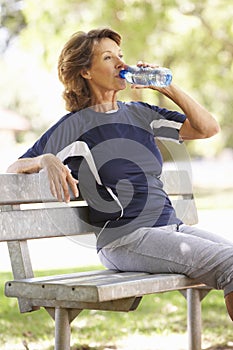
<point>161,314</point>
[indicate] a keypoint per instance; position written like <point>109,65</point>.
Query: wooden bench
<point>28,211</point>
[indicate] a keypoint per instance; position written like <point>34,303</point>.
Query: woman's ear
<point>85,73</point>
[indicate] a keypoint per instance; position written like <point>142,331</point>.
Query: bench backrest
<point>29,211</point>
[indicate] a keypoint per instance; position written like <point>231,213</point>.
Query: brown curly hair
<point>77,55</point>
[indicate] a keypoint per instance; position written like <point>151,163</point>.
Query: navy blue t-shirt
<point>118,164</point>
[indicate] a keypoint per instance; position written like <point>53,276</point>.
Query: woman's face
<point>103,76</point>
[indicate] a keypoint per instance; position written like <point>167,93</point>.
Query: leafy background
<point>193,38</point>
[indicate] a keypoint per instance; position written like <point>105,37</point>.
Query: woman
<point>109,147</point>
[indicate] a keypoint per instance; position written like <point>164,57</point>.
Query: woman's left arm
<point>199,123</point>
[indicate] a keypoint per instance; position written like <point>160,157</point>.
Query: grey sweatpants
<point>170,249</point>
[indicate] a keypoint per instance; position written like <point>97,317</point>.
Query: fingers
<point>60,179</point>
<point>62,183</point>
<point>64,191</point>
<point>146,64</point>
<point>56,190</point>
<point>58,187</point>
<point>73,184</point>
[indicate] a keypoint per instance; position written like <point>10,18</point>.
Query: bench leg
<point>194,319</point>
<point>62,329</point>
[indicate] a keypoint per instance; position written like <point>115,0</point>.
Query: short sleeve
<point>167,124</point>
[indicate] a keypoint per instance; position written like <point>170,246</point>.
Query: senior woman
<point>109,147</point>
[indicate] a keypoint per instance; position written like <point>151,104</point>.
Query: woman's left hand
<point>144,65</point>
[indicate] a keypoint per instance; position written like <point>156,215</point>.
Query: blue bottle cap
<point>123,73</point>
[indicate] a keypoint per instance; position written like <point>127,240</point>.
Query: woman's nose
<point>120,63</point>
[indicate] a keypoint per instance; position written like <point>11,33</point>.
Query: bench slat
<point>186,211</point>
<point>84,274</point>
<point>64,221</point>
<point>34,188</point>
<point>177,182</point>
<point>104,287</point>
<point>25,188</point>
<point>126,304</point>
<point>52,222</point>
<point>98,279</point>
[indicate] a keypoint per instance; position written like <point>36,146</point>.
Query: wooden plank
<point>42,223</point>
<point>110,287</point>
<point>177,182</point>
<point>65,221</point>
<point>186,211</point>
<point>126,304</point>
<point>145,285</point>
<point>81,275</point>
<point>34,188</point>
<point>18,188</point>
<point>26,188</point>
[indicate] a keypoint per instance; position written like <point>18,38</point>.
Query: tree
<point>208,60</point>
<point>193,38</point>
<point>12,21</point>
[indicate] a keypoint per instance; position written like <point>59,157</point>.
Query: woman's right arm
<point>59,176</point>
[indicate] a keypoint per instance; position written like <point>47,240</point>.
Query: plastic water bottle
<point>160,77</point>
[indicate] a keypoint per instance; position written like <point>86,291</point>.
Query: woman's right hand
<point>60,178</point>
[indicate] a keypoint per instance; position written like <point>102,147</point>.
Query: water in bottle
<point>160,77</point>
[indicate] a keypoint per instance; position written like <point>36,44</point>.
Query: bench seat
<point>97,286</point>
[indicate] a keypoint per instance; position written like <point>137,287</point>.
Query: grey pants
<point>170,249</point>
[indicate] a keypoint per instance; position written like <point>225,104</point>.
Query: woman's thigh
<point>192,252</point>
<point>198,232</point>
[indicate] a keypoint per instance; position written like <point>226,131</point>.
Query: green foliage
<point>12,21</point>
<point>193,38</point>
